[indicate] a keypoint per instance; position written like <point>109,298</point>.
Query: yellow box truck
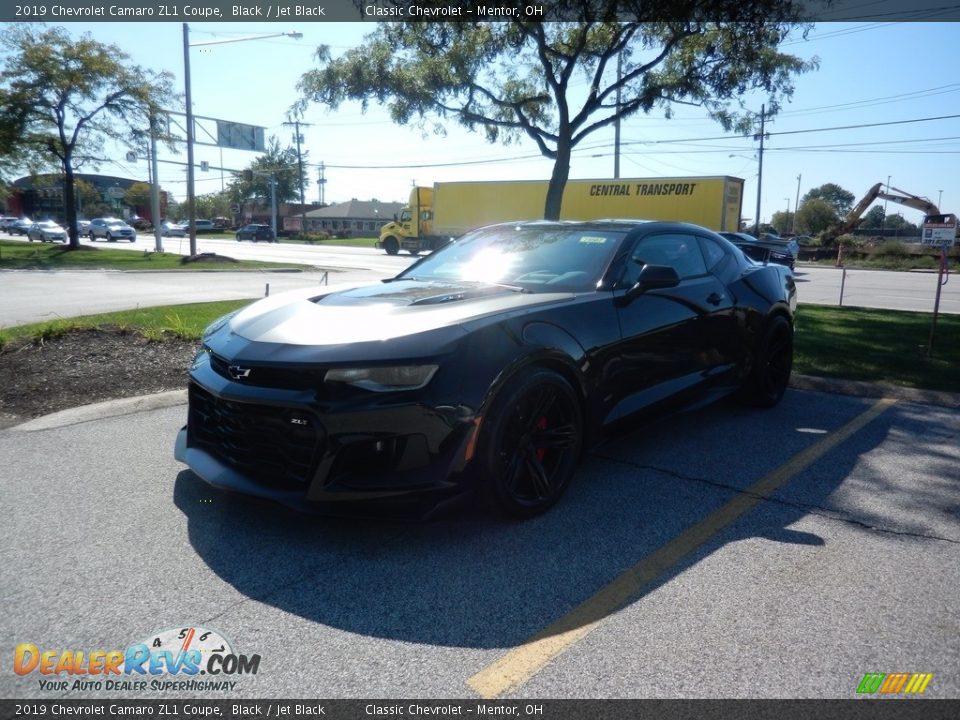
<point>447,210</point>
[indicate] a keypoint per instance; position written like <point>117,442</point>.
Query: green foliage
<point>815,216</point>
<point>63,98</point>
<point>156,323</point>
<point>277,161</point>
<point>782,222</point>
<point>898,222</point>
<point>213,205</point>
<point>873,218</point>
<point>137,195</point>
<point>893,248</point>
<point>841,200</point>
<point>519,79</point>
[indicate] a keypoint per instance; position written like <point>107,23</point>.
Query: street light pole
<point>796,207</point>
<point>940,200</point>
<point>191,208</point>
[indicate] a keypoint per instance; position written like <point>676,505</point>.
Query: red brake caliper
<point>541,425</point>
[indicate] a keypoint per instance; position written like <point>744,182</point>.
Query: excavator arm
<point>855,216</point>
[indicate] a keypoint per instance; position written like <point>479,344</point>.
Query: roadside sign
<point>940,230</point>
<point>235,209</point>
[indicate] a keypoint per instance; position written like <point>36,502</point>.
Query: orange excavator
<point>855,216</point>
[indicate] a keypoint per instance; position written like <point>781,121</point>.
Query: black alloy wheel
<point>773,362</point>
<point>532,441</point>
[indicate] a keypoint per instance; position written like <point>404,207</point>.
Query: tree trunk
<point>558,181</point>
<point>70,204</point>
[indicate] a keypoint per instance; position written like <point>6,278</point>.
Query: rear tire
<point>530,443</point>
<point>772,364</point>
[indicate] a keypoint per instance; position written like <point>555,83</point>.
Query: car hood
<point>376,313</point>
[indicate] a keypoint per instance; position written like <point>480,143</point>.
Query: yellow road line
<point>524,661</point>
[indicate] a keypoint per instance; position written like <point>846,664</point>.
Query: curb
<point>858,388</point>
<point>172,398</point>
<point>102,410</point>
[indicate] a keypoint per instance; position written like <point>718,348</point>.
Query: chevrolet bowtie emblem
<point>239,373</point>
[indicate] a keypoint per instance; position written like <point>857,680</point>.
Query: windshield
<point>545,259</point>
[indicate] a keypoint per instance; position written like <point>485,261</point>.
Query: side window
<point>712,253</point>
<point>677,250</point>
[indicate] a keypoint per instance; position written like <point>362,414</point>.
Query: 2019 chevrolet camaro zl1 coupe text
<point>486,366</point>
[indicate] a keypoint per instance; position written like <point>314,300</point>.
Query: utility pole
<point>763,117</point>
<point>303,202</point>
<point>616,126</point>
<point>322,183</point>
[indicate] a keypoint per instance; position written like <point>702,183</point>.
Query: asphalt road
<point>720,553</point>
<point>37,296</point>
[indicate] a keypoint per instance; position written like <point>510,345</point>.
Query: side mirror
<point>395,217</point>
<point>653,277</point>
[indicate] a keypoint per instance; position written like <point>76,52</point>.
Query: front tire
<point>531,442</point>
<point>391,245</point>
<point>772,364</point>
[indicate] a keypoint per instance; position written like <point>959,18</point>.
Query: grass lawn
<point>48,256</point>
<point>886,346</point>
<point>851,343</point>
<point>183,321</point>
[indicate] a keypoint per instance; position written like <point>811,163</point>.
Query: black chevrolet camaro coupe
<point>486,366</point>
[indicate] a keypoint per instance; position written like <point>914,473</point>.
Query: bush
<point>892,248</point>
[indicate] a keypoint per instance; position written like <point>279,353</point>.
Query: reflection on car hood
<point>376,312</point>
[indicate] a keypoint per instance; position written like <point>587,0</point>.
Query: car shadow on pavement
<point>473,580</point>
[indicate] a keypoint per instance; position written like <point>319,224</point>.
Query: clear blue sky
<point>869,73</point>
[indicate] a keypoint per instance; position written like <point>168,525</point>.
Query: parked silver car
<point>47,231</point>
<point>171,229</point>
<point>110,229</point>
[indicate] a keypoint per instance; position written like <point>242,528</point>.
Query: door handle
<point>715,298</point>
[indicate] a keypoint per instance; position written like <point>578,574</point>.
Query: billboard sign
<point>238,136</point>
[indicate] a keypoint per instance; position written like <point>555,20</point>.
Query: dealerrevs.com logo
<point>894,683</point>
<point>169,660</point>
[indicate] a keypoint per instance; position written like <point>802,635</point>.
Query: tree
<point>279,162</point>
<point>873,218</point>
<point>815,216</point>
<point>137,195</point>
<point>901,225</point>
<point>213,205</point>
<point>840,199</point>
<point>782,221</point>
<point>518,79</point>
<point>63,99</point>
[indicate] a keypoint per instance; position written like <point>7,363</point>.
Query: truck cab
<point>412,229</point>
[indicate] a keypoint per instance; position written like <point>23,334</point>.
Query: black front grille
<point>273,445</point>
<point>267,376</point>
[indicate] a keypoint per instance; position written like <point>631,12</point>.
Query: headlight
<point>218,324</point>
<point>384,379</point>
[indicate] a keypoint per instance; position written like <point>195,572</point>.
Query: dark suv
<point>256,233</point>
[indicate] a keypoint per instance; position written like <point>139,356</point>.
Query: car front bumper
<point>404,458</point>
